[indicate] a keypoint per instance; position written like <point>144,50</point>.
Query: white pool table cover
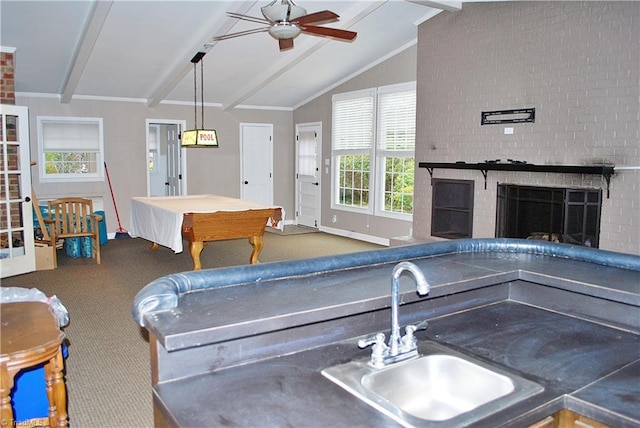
<point>159,218</point>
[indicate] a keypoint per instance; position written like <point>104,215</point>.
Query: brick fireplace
<point>571,61</point>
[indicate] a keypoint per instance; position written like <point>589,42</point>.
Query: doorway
<point>308,160</point>
<point>17,251</point>
<point>166,159</point>
<point>256,169</point>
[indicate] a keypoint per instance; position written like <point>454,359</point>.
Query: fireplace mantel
<point>605,170</point>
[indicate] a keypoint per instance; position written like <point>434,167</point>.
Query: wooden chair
<point>74,218</point>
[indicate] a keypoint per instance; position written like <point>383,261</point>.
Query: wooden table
<point>200,218</point>
<point>30,336</point>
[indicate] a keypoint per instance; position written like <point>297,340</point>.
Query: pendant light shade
<point>200,138</point>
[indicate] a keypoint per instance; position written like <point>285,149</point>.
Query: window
<point>70,149</point>
<point>373,144</point>
<point>154,143</point>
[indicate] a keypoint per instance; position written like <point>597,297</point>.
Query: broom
<point>121,232</point>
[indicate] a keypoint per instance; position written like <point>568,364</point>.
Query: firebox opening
<point>571,216</point>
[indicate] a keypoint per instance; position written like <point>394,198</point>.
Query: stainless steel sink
<point>440,388</point>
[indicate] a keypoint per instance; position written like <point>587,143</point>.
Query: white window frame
<point>57,178</point>
<point>352,149</point>
<point>381,153</point>
<point>376,155</point>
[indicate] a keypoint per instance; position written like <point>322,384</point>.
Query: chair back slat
<point>74,218</point>
<point>72,215</point>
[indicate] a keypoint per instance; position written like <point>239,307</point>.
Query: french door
<point>17,253</point>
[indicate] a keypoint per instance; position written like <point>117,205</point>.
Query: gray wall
<point>397,69</point>
<point>209,170</point>
<point>577,63</point>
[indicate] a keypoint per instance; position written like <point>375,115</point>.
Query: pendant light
<point>199,137</point>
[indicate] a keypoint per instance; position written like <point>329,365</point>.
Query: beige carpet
<point>108,368</point>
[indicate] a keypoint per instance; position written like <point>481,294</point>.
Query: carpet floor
<point>108,365</point>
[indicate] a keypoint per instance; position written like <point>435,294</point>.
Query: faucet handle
<point>409,340</point>
<point>375,340</point>
<point>378,349</point>
<point>410,329</point>
<point>422,325</point>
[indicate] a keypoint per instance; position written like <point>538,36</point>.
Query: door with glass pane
<point>308,155</point>
<point>17,253</point>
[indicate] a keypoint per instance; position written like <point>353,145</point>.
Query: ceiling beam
<point>90,32</point>
<point>182,64</point>
<point>448,5</point>
<point>356,13</point>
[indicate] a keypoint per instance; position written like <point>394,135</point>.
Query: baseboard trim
<point>354,235</point>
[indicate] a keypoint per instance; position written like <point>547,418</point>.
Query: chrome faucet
<point>400,347</point>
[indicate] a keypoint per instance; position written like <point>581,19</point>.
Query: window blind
<point>353,121</point>
<point>70,136</point>
<point>307,153</point>
<point>397,121</point>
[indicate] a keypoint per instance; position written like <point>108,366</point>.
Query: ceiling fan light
<point>284,31</point>
<point>276,11</point>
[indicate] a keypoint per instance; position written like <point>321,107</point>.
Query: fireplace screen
<point>565,215</point>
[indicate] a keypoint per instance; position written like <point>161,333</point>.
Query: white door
<point>157,153</point>
<point>256,150</point>
<point>17,253</point>
<point>165,158</point>
<point>308,155</point>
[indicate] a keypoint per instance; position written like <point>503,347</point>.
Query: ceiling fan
<point>285,21</point>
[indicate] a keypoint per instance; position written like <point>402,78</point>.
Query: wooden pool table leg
<point>256,243</point>
<point>195,248</point>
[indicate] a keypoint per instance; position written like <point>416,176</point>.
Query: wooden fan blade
<point>240,33</point>
<point>324,17</point>
<point>248,18</point>
<point>285,44</point>
<point>330,32</point>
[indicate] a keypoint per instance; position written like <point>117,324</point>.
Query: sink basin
<point>442,387</point>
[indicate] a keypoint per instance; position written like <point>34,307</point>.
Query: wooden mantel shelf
<point>605,170</point>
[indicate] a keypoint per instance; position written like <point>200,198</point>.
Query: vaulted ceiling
<point>142,50</point>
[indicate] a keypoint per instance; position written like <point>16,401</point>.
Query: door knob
<point>27,199</point>
<point>246,182</point>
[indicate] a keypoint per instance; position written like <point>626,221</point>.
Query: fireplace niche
<point>566,215</point>
<point>452,208</point>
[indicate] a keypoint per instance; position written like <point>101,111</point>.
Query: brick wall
<point>7,88</point>
<point>577,63</point>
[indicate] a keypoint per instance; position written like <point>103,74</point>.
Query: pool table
<point>168,220</point>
